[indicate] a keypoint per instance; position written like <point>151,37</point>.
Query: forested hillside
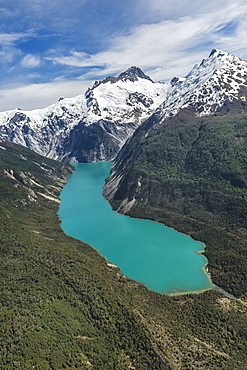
<point>63,307</point>
<point>191,174</point>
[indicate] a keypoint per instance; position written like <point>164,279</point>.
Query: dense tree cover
<point>191,174</point>
<point>63,307</point>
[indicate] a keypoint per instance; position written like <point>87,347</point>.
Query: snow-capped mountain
<point>219,78</point>
<point>217,85</point>
<point>94,126</point>
<point>88,127</point>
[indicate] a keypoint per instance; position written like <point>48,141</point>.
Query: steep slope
<point>64,307</point>
<point>186,167</point>
<point>216,86</point>
<point>89,127</point>
<point>219,78</point>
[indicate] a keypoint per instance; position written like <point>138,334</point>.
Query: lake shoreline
<point>200,251</point>
<point>201,247</point>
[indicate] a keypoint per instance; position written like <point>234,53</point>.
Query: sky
<point>54,48</point>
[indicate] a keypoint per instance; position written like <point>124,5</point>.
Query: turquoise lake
<point>161,258</point>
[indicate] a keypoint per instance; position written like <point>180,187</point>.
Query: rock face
<point>215,87</point>
<point>89,127</point>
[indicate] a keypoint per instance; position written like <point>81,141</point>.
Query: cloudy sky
<point>53,48</point>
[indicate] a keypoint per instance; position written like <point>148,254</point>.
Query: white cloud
<point>75,59</point>
<point>40,95</point>
<point>157,10</point>
<point>8,54</point>
<point>11,38</point>
<point>169,47</point>
<point>236,43</point>
<point>168,43</point>
<point>30,61</point>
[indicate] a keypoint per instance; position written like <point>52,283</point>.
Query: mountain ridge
<point>215,87</point>
<point>219,78</point>
<point>132,74</point>
<point>113,108</point>
<point>94,126</point>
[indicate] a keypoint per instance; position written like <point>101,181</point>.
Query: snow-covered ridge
<point>114,101</point>
<point>218,78</point>
<point>117,105</point>
<point>95,125</point>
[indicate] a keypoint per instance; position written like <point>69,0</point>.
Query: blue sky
<point>53,48</point>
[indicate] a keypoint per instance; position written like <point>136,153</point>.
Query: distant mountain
<point>89,127</point>
<point>220,78</point>
<point>94,126</point>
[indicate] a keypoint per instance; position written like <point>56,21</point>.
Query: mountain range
<point>89,127</point>
<point>95,125</point>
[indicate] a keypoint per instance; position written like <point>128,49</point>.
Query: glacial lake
<point>161,258</point>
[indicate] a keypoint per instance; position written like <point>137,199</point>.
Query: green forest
<point>193,175</point>
<point>63,307</point>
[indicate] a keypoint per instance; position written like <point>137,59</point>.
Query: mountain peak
<point>132,74</point>
<point>223,56</point>
<point>220,78</point>
<point>217,53</point>
<point>216,59</point>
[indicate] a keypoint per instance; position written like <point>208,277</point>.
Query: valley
<point>179,158</point>
<point>64,306</point>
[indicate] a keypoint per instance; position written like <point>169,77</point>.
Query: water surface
<point>163,259</point>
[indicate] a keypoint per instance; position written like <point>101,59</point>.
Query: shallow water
<point>163,259</point>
